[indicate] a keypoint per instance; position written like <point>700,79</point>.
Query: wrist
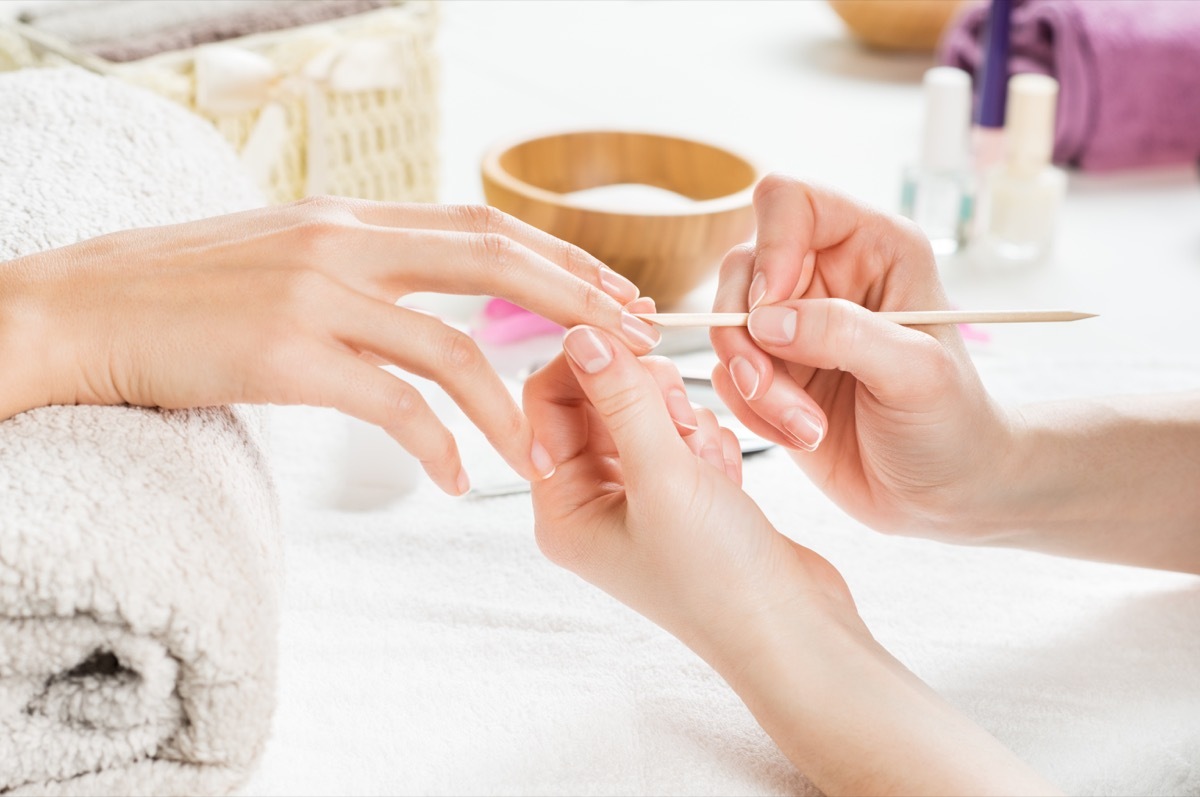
<point>985,512</point>
<point>24,338</point>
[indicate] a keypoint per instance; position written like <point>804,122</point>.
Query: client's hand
<point>892,422</point>
<point>295,305</point>
<point>646,505</point>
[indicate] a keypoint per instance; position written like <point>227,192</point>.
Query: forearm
<point>1115,480</point>
<point>855,721</point>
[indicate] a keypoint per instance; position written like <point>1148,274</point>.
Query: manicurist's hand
<point>892,422</point>
<point>646,505</point>
<point>646,502</point>
<point>295,305</point>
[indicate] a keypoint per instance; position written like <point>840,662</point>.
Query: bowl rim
<point>700,207</point>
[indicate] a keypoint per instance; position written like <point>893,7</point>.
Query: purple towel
<point>1129,72</point>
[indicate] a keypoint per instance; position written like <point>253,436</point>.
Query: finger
<point>795,221</point>
<point>670,384</point>
<point>494,265</point>
<point>557,408</point>
<point>723,385</point>
<point>751,368</point>
<point>731,449</point>
<point>486,220</point>
<point>627,399</point>
<point>370,394</point>
<point>709,439</point>
<point>423,345</point>
<point>899,365</point>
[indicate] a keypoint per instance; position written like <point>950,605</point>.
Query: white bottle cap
<point>947,118</point>
<point>1029,126</point>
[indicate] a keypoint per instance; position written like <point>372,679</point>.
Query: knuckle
<point>494,252</point>
<point>843,331</point>
<point>460,354</point>
<point>624,405</point>
<point>400,405</point>
<point>593,303</point>
<point>482,218</point>
<point>511,428</point>
<point>576,260</point>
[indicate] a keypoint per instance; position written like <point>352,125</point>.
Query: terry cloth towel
<point>127,30</point>
<point>1129,72</point>
<point>140,553</point>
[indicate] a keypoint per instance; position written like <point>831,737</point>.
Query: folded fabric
<point>139,550</point>
<point>124,30</point>
<point>1129,75</point>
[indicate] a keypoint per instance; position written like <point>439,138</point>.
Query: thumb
<point>900,365</point>
<point>625,395</point>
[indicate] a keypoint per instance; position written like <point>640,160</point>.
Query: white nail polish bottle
<point>1025,193</point>
<point>937,192</point>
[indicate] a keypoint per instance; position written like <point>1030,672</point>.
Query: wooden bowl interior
<point>576,161</point>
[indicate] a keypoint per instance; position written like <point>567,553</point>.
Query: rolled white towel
<point>140,554</point>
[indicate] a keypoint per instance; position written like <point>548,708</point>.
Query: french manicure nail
<point>745,377</point>
<point>773,325</point>
<point>803,427</point>
<point>543,463</point>
<point>617,286</point>
<point>680,410</point>
<point>639,330</point>
<point>758,289</point>
<point>464,482</point>
<point>589,351</point>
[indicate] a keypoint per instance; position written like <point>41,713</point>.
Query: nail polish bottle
<point>937,191</point>
<point>1025,193</point>
<point>987,130</point>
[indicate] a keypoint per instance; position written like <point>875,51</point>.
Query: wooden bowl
<point>914,25</point>
<point>666,252</point>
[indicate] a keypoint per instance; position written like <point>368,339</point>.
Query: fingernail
<point>758,289</point>
<point>680,410</point>
<point>464,482</point>
<point>643,304</point>
<point>589,351</point>
<point>803,427</point>
<point>745,377</point>
<point>774,325</point>
<point>617,286</point>
<point>639,330</point>
<point>543,463</point>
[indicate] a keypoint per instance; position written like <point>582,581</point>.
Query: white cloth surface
<point>429,648</point>
<point>140,556</point>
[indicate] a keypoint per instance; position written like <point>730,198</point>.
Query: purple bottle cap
<point>994,80</point>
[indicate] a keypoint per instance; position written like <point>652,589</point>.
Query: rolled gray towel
<point>140,552</point>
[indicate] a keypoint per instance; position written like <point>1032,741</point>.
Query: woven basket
<point>347,107</point>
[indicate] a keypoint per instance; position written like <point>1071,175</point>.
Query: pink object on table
<point>505,322</point>
<point>1129,74</point>
<point>974,333</point>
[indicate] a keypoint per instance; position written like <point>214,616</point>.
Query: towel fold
<point>139,550</point>
<point>1129,72</point>
<point>127,30</point>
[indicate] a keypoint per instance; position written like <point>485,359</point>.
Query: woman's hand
<point>891,422</point>
<point>646,504</point>
<point>295,305</point>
